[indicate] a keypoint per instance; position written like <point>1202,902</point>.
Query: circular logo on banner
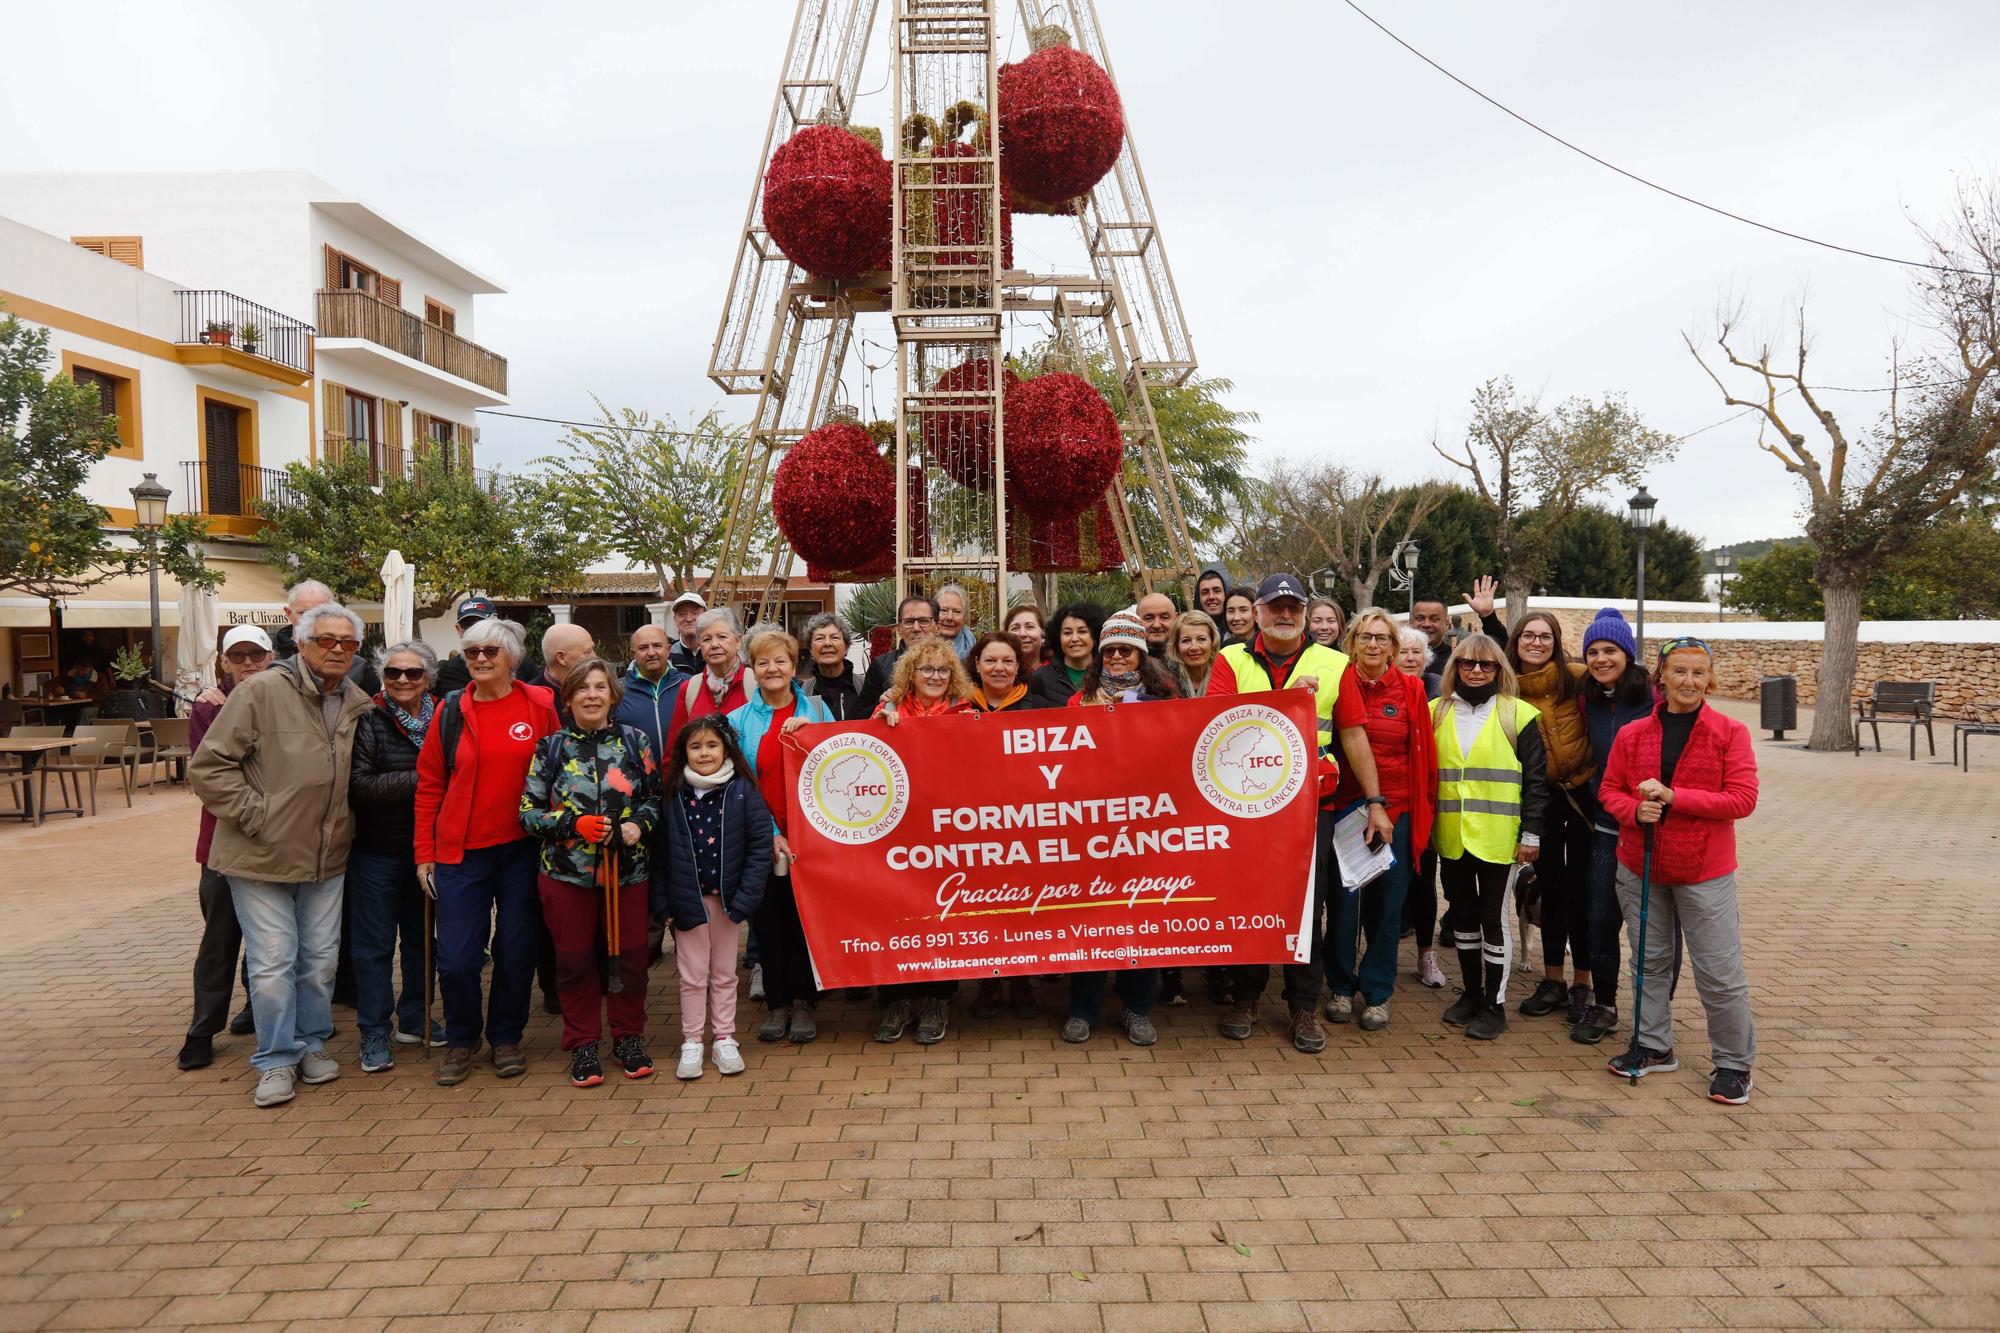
<point>853,789</point>
<point>1250,761</point>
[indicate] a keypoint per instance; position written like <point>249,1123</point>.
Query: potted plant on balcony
<point>218,332</point>
<point>251,336</point>
<point>126,698</point>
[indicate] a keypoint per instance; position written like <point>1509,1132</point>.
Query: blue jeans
<point>291,940</point>
<point>1376,913</point>
<point>490,894</point>
<point>1137,987</point>
<point>385,903</point>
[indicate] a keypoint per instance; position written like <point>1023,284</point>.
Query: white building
<point>150,284</point>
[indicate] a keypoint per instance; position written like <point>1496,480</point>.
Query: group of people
<point>563,823</point>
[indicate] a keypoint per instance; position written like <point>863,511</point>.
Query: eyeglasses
<point>1471,665</point>
<point>917,623</point>
<point>403,673</point>
<point>934,671</point>
<point>1538,638</point>
<point>1374,638</point>
<point>329,644</point>
<point>479,652</point>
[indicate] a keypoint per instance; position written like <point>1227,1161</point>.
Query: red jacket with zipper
<point>1715,784</point>
<point>444,810</point>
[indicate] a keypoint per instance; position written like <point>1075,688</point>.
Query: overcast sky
<point>1358,242</point>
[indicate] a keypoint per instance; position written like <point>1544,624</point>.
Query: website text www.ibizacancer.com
<point>1123,953</point>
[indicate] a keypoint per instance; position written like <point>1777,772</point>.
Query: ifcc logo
<point>1250,761</point>
<point>853,789</point>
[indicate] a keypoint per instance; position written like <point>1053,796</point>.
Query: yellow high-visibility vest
<point>1479,794</point>
<point>1317,660</point>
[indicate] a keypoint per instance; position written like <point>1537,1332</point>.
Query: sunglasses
<point>479,652</point>
<point>246,656</point>
<point>1672,646</point>
<point>329,644</point>
<point>402,673</point>
<point>1473,664</point>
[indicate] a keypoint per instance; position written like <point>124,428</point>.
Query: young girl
<point>711,860</point>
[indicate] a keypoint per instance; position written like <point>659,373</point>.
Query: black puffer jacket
<point>382,788</point>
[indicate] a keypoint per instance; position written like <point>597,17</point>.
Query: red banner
<point>1166,834</point>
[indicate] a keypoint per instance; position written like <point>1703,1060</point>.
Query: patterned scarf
<point>717,686</point>
<point>1117,682</point>
<point>413,726</point>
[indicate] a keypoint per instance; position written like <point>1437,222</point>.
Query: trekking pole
<point>612,943</point>
<point>430,974</point>
<point>1639,965</point>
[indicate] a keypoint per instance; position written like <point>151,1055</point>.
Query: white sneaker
<point>274,1087</point>
<point>690,1065</point>
<point>757,982</point>
<point>728,1059</point>
<point>318,1067</point>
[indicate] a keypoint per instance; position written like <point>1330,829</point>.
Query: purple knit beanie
<point>1610,627</point>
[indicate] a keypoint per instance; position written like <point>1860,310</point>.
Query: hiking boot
<point>196,1053</point>
<point>1596,1024</point>
<point>986,1000</point>
<point>1463,1008</point>
<point>1236,1023</point>
<point>274,1086</point>
<point>1488,1023</point>
<point>728,1056</point>
<point>318,1067</point>
<point>757,982</point>
<point>1172,990</point>
<point>631,1053</point>
<point>804,1025</point>
<point>1731,1086</point>
<point>585,1069</point>
<point>1375,1017</point>
<point>1550,996</point>
<point>551,1002</point>
<point>1428,970</point>
<point>243,1024</point>
<point>1021,999</point>
<point>1307,1034</point>
<point>405,1037</point>
<point>895,1020</point>
<point>375,1056</point>
<point>1340,1008</point>
<point>1139,1030</point>
<point>691,1056</point>
<point>456,1066</point>
<point>1580,999</point>
<point>931,1021</point>
<point>1643,1061</point>
<point>1075,1030</point>
<point>776,1024</point>
<point>509,1062</point>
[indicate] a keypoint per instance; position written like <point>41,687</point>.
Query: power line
<point>1649,184</point>
<point>598,425</point>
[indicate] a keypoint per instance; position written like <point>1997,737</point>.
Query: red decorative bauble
<point>1063,445</point>
<point>834,497</point>
<point>827,202</point>
<point>1061,124</point>
<point>1085,543</point>
<point>961,214</point>
<point>961,442</point>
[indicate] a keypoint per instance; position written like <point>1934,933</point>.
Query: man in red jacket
<point>1686,772</point>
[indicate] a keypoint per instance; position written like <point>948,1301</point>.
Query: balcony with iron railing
<point>360,315</point>
<point>386,461</point>
<point>219,327</point>
<point>230,493</point>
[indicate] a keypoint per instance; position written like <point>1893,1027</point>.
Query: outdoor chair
<point>64,766</point>
<point>1986,722</point>
<point>104,743</point>
<point>1900,703</point>
<point>170,746</point>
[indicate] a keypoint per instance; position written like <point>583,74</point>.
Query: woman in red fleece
<point>1687,773</point>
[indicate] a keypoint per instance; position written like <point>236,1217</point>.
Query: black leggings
<point>788,974</point>
<point>1420,904</point>
<point>1483,922</point>
<point>1563,873</point>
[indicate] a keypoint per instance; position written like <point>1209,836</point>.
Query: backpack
<point>450,724</point>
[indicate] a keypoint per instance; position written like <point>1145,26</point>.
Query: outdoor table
<point>66,710</point>
<point>31,750</point>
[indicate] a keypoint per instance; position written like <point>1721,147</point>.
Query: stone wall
<point>1964,672</point>
<point>1575,619</point>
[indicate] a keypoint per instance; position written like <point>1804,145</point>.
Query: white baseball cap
<point>246,634</point>
<point>689,596</point>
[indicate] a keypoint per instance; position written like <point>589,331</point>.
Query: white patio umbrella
<point>194,647</point>
<point>399,584</point>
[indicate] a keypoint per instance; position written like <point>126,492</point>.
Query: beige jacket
<point>275,781</point>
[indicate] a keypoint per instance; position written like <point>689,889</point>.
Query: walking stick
<point>1639,969</point>
<point>430,973</point>
<point>608,867</point>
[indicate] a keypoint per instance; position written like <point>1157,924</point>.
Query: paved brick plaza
<point>1406,1179</point>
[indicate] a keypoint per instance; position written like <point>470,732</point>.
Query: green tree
<point>1951,572</point>
<point>52,432</point>
<point>1455,546</point>
<point>648,491</point>
<point>458,533</point>
<point>1593,554</point>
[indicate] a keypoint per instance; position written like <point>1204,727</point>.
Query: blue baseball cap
<point>476,608</point>
<point>1279,585</point>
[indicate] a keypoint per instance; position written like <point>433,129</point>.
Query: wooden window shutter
<point>335,407</point>
<point>464,434</point>
<point>389,289</point>
<point>392,425</point>
<point>332,269</point>
<point>420,433</point>
<point>125,249</point>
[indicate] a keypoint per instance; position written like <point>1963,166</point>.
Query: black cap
<point>1279,585</point>
<point>476,608</point>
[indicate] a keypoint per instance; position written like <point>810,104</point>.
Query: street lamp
<point>1403,570</point>
<point>1641,509</point>
<point>1723,560</point>
<point>149,507</point>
